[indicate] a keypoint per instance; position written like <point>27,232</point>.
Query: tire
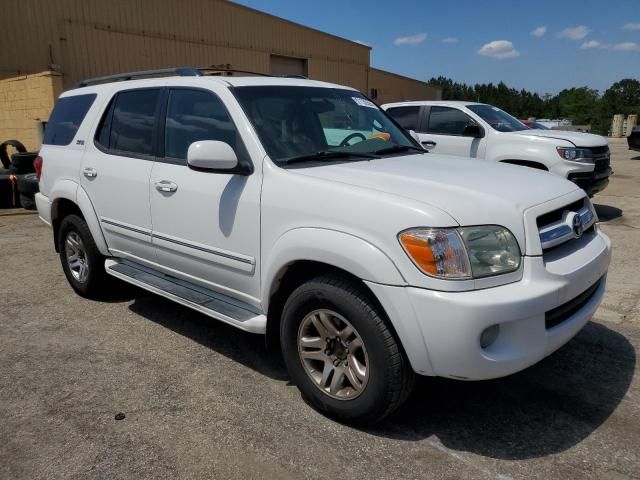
<point>74,236</point>
<point>386,379</point>
<point>28,184</point>
<point>4,156</point>
<point>28,202</point>
<point>23,162</point>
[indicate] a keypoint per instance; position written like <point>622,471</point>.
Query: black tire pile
<point>18,181</point>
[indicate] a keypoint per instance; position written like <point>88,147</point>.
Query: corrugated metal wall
<point>89,38</point>
<point>391,87</point>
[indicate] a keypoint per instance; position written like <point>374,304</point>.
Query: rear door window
<point>407,117</point>
<point>66,118</point>
<point>129,125</point>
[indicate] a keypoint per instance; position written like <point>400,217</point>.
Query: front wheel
<point>82,263</point>
<point>341,353</point>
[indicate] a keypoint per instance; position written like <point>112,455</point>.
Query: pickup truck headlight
<point>575,154</point>
<point>462,253</point>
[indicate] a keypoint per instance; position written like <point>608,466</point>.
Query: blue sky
<point>578,42</point>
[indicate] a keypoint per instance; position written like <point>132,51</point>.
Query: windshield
<point>498,119</point>
<point>300,122</point>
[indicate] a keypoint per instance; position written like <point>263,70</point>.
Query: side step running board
<point>213,304</point>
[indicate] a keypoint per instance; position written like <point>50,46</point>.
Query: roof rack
<point>179,71</point>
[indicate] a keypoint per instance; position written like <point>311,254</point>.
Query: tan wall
<point>23,100</point>
<point>87,38</point>
<point>395,88</point>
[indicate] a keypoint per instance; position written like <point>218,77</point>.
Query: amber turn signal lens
<point>437,252</point>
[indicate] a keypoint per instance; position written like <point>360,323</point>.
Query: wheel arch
<point>73,199</point>
<point>526,163</point>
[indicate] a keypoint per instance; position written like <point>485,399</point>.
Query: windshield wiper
<point>399,149</point>
<point>328,155</point>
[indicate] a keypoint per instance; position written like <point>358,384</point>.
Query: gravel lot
<point>203,400</point>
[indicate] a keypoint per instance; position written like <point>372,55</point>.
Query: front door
<point>206,225</point>
<point>116,170</point>
<point>444,133</point>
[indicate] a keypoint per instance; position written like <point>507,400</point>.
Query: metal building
<point>68,40</point>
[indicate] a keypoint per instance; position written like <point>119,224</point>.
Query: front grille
<point>556,215</point>
<point>555,317</point>
<point>601,165</point>
<point>597,151</point>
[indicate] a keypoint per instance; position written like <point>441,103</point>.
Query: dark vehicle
<point>535,125</point>
<point>634,139</point>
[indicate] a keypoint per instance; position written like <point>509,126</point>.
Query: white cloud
<point>411,39</point>
<point>627,47</point>
<point>632,26</point>
<point>575,33</point>
<point>499,49</point>
<point>449,40</point>
<point>591,44</point>
<point>538,32</point>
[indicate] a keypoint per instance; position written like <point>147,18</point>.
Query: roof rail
<point>179,71</point>
<point>231,70</point>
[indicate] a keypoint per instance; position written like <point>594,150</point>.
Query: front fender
<point>342,250</point>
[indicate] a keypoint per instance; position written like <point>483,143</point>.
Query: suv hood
<point>578,139</point>
<point>471,191</point>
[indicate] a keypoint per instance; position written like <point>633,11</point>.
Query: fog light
<point>489,335</point>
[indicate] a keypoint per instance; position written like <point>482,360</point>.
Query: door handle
<point>90,172</point>
<point>430,143</point>
<point>166,186</point>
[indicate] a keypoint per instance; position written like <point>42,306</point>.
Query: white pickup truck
<point>299,210</point>
<point>485,132</point>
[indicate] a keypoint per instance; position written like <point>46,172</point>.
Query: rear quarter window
<point>66,118</point>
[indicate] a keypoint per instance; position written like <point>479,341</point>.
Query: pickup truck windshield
<point>296,123</point>
<point>498,119</point>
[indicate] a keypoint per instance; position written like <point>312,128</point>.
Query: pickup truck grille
<point>565,224</point>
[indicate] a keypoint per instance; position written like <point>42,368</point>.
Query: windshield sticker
<point>363,102</point>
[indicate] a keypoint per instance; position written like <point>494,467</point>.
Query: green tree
<point>578,104</point>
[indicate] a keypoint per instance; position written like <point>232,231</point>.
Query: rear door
<point>443,133</point>
<point>116,170</point>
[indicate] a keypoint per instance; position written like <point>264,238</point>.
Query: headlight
<point>575,154</point>
<point>492,250</point>
<point>462,253</point>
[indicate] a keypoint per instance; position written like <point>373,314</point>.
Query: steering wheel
<point>345,142</point>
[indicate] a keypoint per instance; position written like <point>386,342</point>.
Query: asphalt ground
<point>203,400</point>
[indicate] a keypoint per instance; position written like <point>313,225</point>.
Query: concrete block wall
<point>23,100</point>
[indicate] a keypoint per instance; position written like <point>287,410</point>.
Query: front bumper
<point>449,324</point>
<point>592,182</point>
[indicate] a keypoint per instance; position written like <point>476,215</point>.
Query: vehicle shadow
<point>242,347</point>
<point>545,409</point>
<point>607,213</point>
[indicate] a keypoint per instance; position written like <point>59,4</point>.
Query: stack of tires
<point>18,181</point>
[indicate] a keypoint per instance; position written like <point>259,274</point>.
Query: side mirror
<point>211,155</point>
<point>472,130</point>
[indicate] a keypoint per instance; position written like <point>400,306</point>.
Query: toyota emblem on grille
<point>578,227</point>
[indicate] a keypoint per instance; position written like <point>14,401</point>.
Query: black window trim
<point>109,112</point>
<point>428,119</point>
<point>245,165</point>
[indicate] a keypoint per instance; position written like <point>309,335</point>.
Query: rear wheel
<point>81,261</point>
<point>341,353</point>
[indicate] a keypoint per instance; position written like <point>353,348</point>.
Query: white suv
<point>297,209</point>
<point>485,132</point>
